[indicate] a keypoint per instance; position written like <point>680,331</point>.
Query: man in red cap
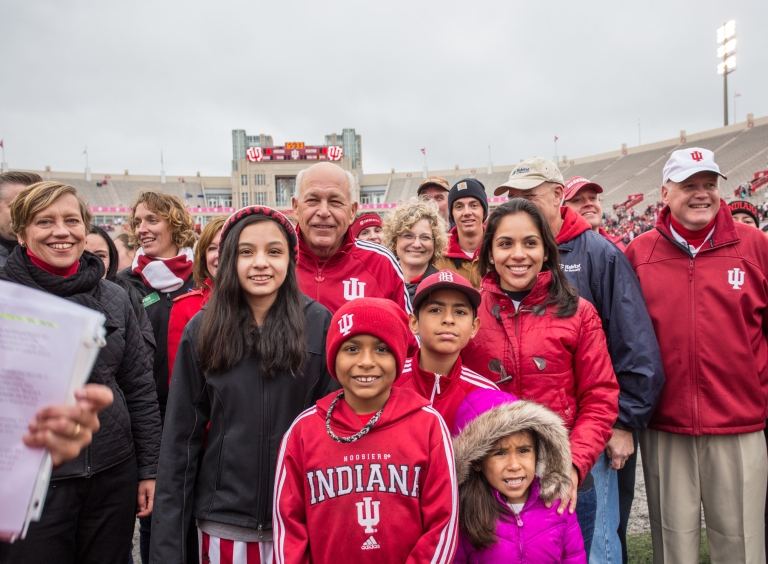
<point>705,280</point>
<point>581,196</point>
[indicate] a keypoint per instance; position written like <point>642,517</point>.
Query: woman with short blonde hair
<point>416,233</point>
<point>90,508</point>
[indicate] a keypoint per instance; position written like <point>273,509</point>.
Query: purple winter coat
<point>538,535</point>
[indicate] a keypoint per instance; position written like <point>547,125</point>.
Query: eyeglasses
<point>410,238</point>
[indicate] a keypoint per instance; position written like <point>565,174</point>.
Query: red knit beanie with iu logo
<point>378,317</point>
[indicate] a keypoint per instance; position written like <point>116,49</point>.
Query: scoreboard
<point>294,151</point>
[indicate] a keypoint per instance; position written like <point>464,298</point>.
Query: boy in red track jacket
<point>445,319</point>
<point>367,475</point>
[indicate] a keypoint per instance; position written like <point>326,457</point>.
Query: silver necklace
<point>360,434</point>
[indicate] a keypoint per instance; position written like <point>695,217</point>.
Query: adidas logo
<point>370,544</point>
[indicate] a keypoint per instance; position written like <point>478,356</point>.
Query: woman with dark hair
<point>90,507</point>
<point>206,263</point>
<point>248,363</point>
<point>546,344</point>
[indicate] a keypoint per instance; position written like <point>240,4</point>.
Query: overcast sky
<point>131,78</point>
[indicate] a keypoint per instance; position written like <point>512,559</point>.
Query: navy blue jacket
<point>603,276</point>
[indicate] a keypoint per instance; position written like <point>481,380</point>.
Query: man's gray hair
<point>350,182</point>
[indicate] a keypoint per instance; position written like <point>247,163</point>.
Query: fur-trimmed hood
<point>486,416</point>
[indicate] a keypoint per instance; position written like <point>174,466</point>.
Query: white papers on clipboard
<point>48,346</point>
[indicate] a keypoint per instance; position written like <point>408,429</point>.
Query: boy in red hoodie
<point>445,319</point>
<point>367,475</point>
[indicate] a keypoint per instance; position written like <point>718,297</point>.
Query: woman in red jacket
<point>206,262</point>
<point>546,343</point>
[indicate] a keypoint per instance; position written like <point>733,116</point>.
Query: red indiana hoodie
<point>444,391</point>
<point>573,225</point>
<point>389,497</point>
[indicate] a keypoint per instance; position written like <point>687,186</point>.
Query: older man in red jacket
<point>333,267</point>
<point>705,279</point>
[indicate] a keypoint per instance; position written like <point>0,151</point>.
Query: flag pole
<point>556,157</point>
<point>424,152</point>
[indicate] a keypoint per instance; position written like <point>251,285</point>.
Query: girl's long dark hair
<point>228,332</point>
<point>561,293</point>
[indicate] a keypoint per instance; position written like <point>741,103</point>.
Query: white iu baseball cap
<point>684,163</point>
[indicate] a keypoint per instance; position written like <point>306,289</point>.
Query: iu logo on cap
<point>445,276</point>
<point>736,278</point>
<point>345,324</point>
<point>696,156</point>
<point>353,289</point>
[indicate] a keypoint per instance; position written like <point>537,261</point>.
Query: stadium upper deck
<point>740,150</point>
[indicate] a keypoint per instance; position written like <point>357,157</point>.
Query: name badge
<point>150,299</point>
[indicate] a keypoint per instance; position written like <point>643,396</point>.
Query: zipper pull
<point>319,278</point>
<point>519,521</point>
<point>437,383</point>
<point>261,532</point>
<point>690,271</point>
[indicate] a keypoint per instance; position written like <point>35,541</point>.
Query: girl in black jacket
<point>90,508</point>
<point>248,364</point>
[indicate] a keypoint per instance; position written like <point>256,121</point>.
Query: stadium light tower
<point>726,38</point>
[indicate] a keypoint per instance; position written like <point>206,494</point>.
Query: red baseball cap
<point>446,279</point>
<point>575,184</point>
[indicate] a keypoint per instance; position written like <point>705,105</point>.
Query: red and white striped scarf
<point>164,275</point>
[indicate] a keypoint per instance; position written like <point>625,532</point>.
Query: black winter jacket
<point>159,314</point>
<point>132,423</point>
<point>603,276</point>
<point>248,416</point>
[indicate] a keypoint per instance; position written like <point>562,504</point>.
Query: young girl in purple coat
<point>513,459</point>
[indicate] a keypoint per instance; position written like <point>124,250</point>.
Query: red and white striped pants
<point>214,550</point>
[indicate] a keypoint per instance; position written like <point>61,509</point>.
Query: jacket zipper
<point>520,534</point>
<point>264,455</point>
<point>518,360</point>
<point>436,387</point>
<point>692,354</point>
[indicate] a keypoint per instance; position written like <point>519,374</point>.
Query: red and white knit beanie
<point>378,317</point>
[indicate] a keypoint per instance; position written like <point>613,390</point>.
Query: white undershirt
<point>516,507</point>
<point>470,255</point>
<point>680,239</point>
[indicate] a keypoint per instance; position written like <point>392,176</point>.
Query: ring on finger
<point>77,431</point>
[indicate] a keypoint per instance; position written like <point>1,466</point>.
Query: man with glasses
<point>603,276</point>
<point>468,209</point>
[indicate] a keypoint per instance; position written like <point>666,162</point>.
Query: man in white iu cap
<point>705,280</point>
<point>603,276</point>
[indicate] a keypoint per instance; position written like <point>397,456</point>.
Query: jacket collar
<point>537,296</point>
<point>428,384</point>
<point>533,495</point>
<point>454,249</point>
<point>573,226</point>
<point>307,256</point>
<point>725,229</point>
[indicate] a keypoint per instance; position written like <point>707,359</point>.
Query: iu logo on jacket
<point>736,278</point>
<point>353,289</point>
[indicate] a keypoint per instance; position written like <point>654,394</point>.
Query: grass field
<point>640,551</point>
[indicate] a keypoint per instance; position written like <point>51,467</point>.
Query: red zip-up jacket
<point>444,391</point>
<point>184,308</point>
<point>358,269</point>
<point>710,314</point>
<point>561,363</point>
<point>389,497</point>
